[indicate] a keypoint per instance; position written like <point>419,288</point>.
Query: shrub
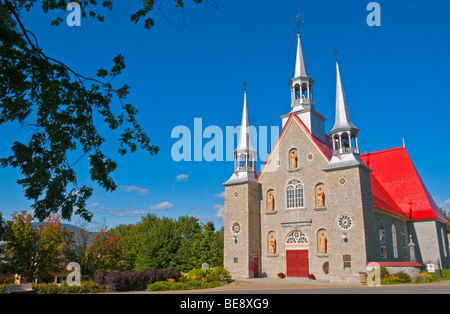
<point>195,279</point>
<point>399,277</point>
<point>326,267</point>
<point>129,280</point>
<point>49,288</point>
<point>211,274</point>
<point>6,280</point>
<point>426,277</point>
<point>100,277</point>
<point>46,288</point>
<point>187,285</point>
<point>446,274</point>
<point>281,275</point>
<point>159,286</point>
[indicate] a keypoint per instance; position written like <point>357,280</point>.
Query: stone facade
<point>241,234</point>
<point>347,192</point>
<point>299,231</point>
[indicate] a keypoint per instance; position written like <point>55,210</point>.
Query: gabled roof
<point>323,147</point>
<point>397,175</point>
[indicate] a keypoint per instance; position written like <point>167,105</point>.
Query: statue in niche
<point>323,243</point>
<point>270,202</point>
<point>320,197</point>
<point>273,245</point>
<point>293,159</point>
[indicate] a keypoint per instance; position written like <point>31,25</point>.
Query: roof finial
<point>245,86</point>
<point>336,54</point>
<point>298,24</point>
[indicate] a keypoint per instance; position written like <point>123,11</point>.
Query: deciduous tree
<point>34,250</point>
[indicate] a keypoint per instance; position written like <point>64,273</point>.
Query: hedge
<point>130,281</point>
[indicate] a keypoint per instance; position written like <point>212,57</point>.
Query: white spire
<point>342,122</point>
<point>300,66</point>
<point>344,134</point>
<point>245,154</point>
<point>245,137</point>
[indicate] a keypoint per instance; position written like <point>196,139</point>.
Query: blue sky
<point>395,78</point>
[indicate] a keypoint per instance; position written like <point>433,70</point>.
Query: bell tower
<point>302,101</point>
<point>350,190</point>
<point>242,214</point>
<point>301,84</point>
<point>344,133</point>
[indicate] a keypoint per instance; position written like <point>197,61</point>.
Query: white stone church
<point>320,207</point>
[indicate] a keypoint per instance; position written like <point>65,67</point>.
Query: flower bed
<point>195,279</point>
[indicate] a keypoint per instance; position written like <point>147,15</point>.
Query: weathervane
<point>245,85</point>
<point>298,23</point>
<point>336,53</point>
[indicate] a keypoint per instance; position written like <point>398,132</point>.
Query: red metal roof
<point>396,184</point>
<point>395,172</point>
<point>382,200</point>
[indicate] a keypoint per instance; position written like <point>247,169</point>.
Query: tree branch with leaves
<point>59,105</point>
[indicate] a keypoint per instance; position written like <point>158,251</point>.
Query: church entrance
<point>297,259</point>
<point>297,263</point>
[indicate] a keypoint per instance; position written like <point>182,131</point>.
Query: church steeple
<point>245,139</point>
<point>245,154</point>
<point>302,102</point>
<point>342,122</point>
<point>300,66</point>
<point>301,84</point>
<point>344,133</point>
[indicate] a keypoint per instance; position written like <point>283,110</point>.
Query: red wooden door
<point>297,263</point>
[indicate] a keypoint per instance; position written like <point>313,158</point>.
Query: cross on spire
<point>298,23</point>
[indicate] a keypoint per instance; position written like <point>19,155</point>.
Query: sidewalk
<point>287,283</point>
<point>296,281</point>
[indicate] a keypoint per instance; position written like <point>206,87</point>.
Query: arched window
<point>443,242</point>
<point>405,242</point>
<point>296,237</point>
<point>394,241</point>
<point>297,91</point>
<point>382,240</point>
<point>294,194</point>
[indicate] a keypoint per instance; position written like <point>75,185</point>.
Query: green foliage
<point>64,288</point>
<point>181,244</point>
<point>195,279</point>
<point>188,285</point>
<point>38,250</point>
<point>399,277</point>
<point>210,273</point>
<point>445,274</point>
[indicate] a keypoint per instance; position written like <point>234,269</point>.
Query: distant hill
<point>72,228</point>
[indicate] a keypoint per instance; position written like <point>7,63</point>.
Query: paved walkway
<point>306,286</point>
